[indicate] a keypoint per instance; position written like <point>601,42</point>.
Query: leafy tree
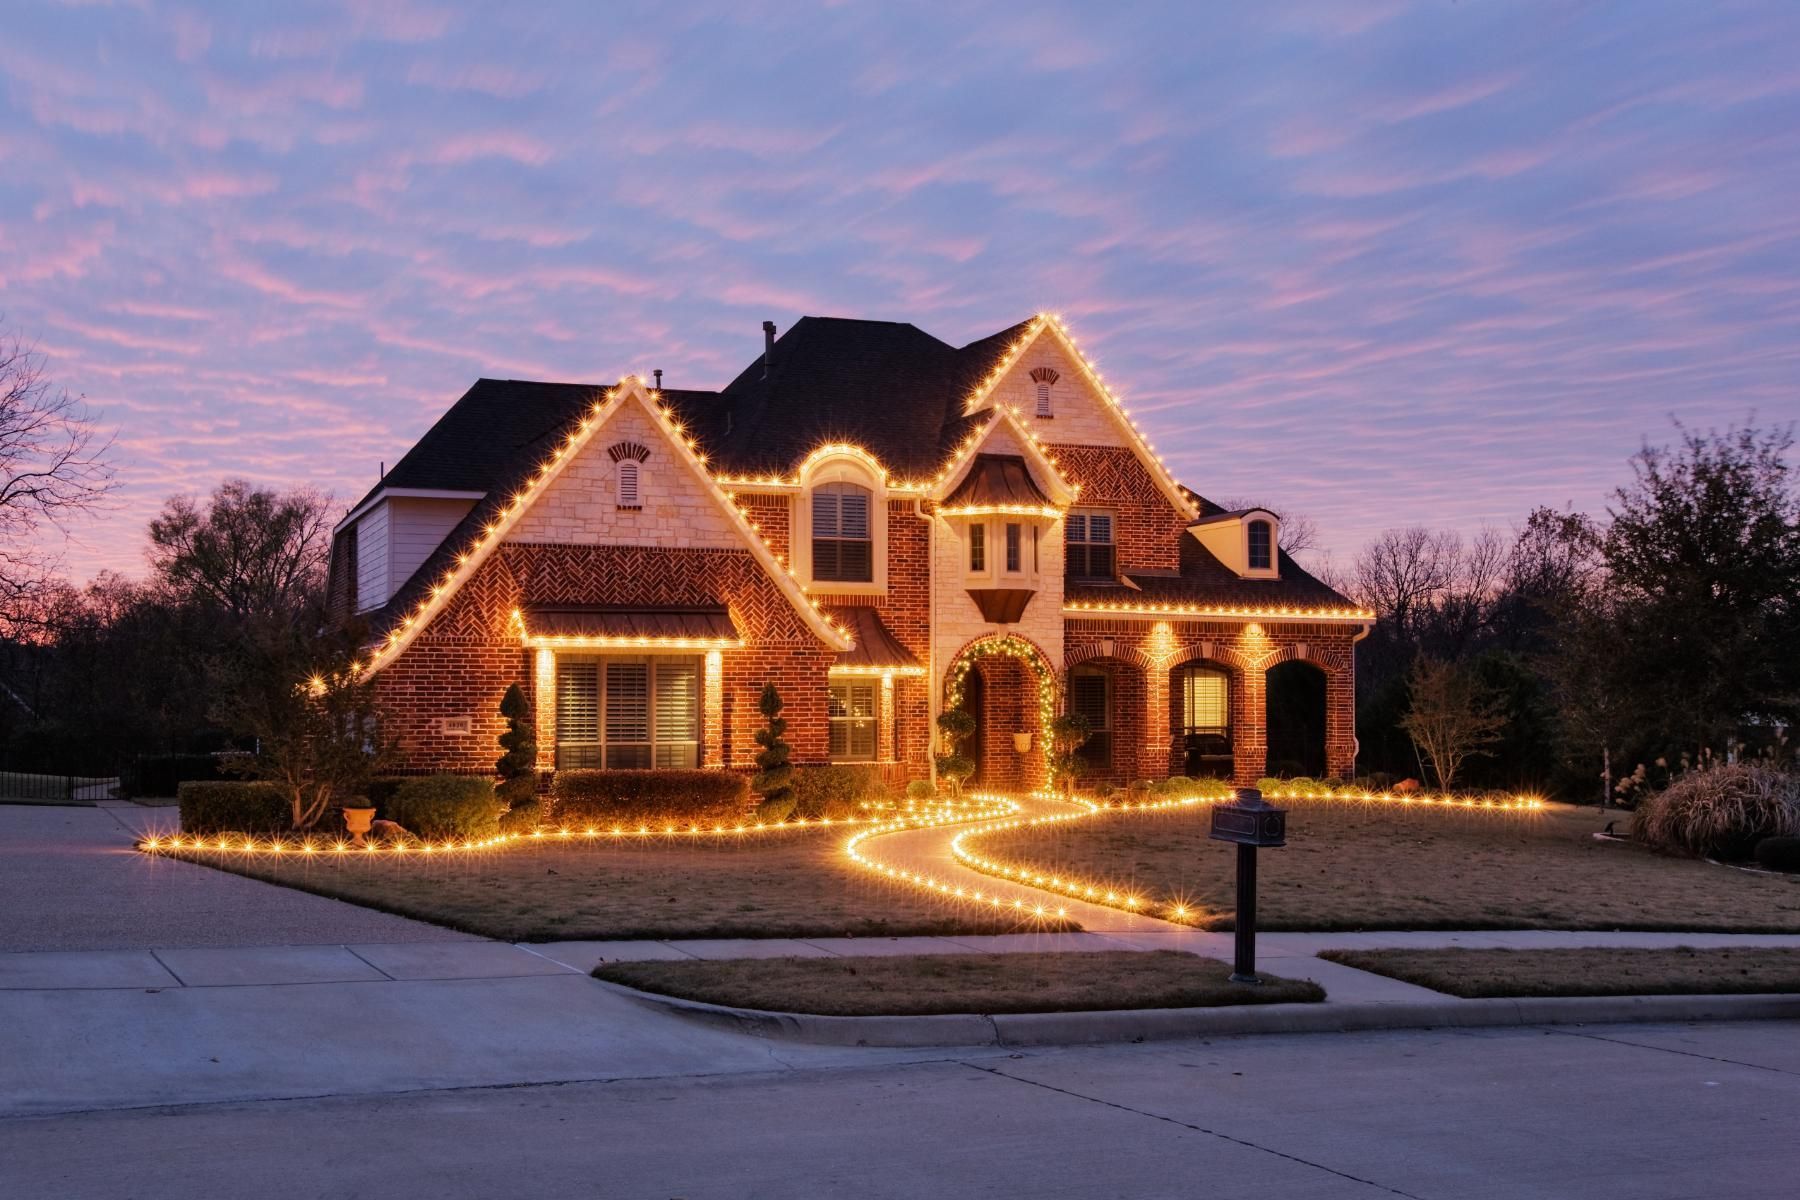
<point>249,552</point>
<point>954,726</point>
<point>1453,716</point>
<point>774,775</point>
<point>1068,734</point>
<point>314,716</point>
<point>1703,560</point>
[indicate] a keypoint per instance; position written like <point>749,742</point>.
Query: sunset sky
<point>1377,263</point>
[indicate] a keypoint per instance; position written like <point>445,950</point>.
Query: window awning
<point>877,651</point>
<point>576,625</point>
<point>997,481</point>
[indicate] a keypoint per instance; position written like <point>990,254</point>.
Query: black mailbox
<point>1249,821</point>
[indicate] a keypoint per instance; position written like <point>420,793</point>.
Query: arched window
<point>627,481</point>
<point>1262,546</point>
<point>842,547</point>
<point>1044,377</point>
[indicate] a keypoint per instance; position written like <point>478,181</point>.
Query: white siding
<point>416,526</point>
<point>372,587</point>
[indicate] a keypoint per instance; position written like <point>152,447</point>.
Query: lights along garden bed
<point>1678,971</point>
<point>777,883</point>
<point>1354,864</point>
<point>922,984</point>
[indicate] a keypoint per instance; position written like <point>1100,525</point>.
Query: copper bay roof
<point>997,479</point>
<point>876,648</point>
<point>703,624</point>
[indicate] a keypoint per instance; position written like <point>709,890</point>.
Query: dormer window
<point>977,549</point>
<point>842,549</point>
<point>629,458</point>
<point>1044,378</point>
<point>1261,546</point>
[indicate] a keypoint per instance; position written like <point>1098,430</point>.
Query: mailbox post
<point>1250,823</point>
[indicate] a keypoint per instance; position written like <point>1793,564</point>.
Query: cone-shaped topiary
<point>517,767</point>
<point>774,776</point>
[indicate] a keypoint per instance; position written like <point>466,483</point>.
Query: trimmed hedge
<point>608,798</point>
<point>234,806</point>
<point>839,790</point>
<point>445,806</point>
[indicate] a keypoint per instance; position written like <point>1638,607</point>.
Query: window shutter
<point>854,521</point>
<point>627,702</point>
<point>825,514</point>
<point>677,713</point>
<point>577,701</point>
<point>1099,527</point>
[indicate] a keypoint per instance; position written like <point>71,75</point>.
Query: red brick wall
<point>1158,649</point>
<point>462,663</point>
<point>1009,705</point>
<point>1149,528</point>
<point>771,514</point>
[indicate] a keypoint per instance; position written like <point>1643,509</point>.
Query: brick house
<point>879,523</point>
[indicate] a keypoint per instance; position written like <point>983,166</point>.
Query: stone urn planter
<point>358,819</point>
<point>1022,742</point>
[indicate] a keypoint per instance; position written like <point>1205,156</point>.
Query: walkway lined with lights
<point>931,859</point>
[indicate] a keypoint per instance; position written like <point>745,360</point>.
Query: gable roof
<point>480,533</point>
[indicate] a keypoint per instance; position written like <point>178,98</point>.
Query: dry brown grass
<point>1722,810</point>
<point>773,885</point>
<point>1679,971</point>
<point>1350,865</point>
<point>960,983</point>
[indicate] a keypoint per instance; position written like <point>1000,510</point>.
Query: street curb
<point>1159,1024</point>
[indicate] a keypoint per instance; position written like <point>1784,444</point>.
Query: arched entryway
<point>1203,698</point>
<point>1008,686</point>
<point>1296,719</point>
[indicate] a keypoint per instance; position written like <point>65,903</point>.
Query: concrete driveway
<point>70,880</point>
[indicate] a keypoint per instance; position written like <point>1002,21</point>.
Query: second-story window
<point>842,549</point>
<point>1015,540</point>
<point>977,549</point>
<point>1088,545</point>
<point>1262,546</point>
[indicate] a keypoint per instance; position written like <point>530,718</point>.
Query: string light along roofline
<point>1229,612</point>
<point>519,503</point>
<point>1052,323</point>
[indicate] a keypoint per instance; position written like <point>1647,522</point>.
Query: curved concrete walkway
<point>916,855</point>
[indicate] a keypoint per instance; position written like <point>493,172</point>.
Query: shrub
<point>1779,853</point>
<point>525,808</point>
<point>921,790</point>
<point>445,806</point>
<point>838,791</point>
<point>517,767</point>
<point>233,806</point>
<point>1175,787</point>
<point>1723,811</point>
<point>631,798</point>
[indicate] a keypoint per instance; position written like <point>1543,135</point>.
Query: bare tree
<point>1404,572</point>
<point>250,552</point>
<point>53,466</point>
<point>1453,718</point>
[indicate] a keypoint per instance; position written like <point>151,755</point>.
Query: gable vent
<point>1044,377</point>
<point>620,451</point>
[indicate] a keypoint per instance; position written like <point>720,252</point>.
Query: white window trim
<point>840,469</point>
<point>875,704</point>
<point>1273,570</point>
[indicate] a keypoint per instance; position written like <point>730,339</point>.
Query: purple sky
<point>1379,263</point>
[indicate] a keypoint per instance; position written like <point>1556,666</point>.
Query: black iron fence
<point>37,787</point>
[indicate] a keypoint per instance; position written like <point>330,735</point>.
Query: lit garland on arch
<point>1009,645</point>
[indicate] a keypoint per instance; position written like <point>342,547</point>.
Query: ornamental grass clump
<point>1721,811</point>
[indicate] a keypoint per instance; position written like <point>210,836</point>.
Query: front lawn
<point>1070,981</point>
<point>1356,865</point>
<point>788,884</point>
<point>1679,971</point>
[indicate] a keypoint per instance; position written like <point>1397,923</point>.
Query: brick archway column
<point>1156,759</point>
<point>1340,724</point>
<point>1250,726</point>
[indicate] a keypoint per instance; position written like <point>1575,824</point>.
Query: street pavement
<point>1627,1112</point>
